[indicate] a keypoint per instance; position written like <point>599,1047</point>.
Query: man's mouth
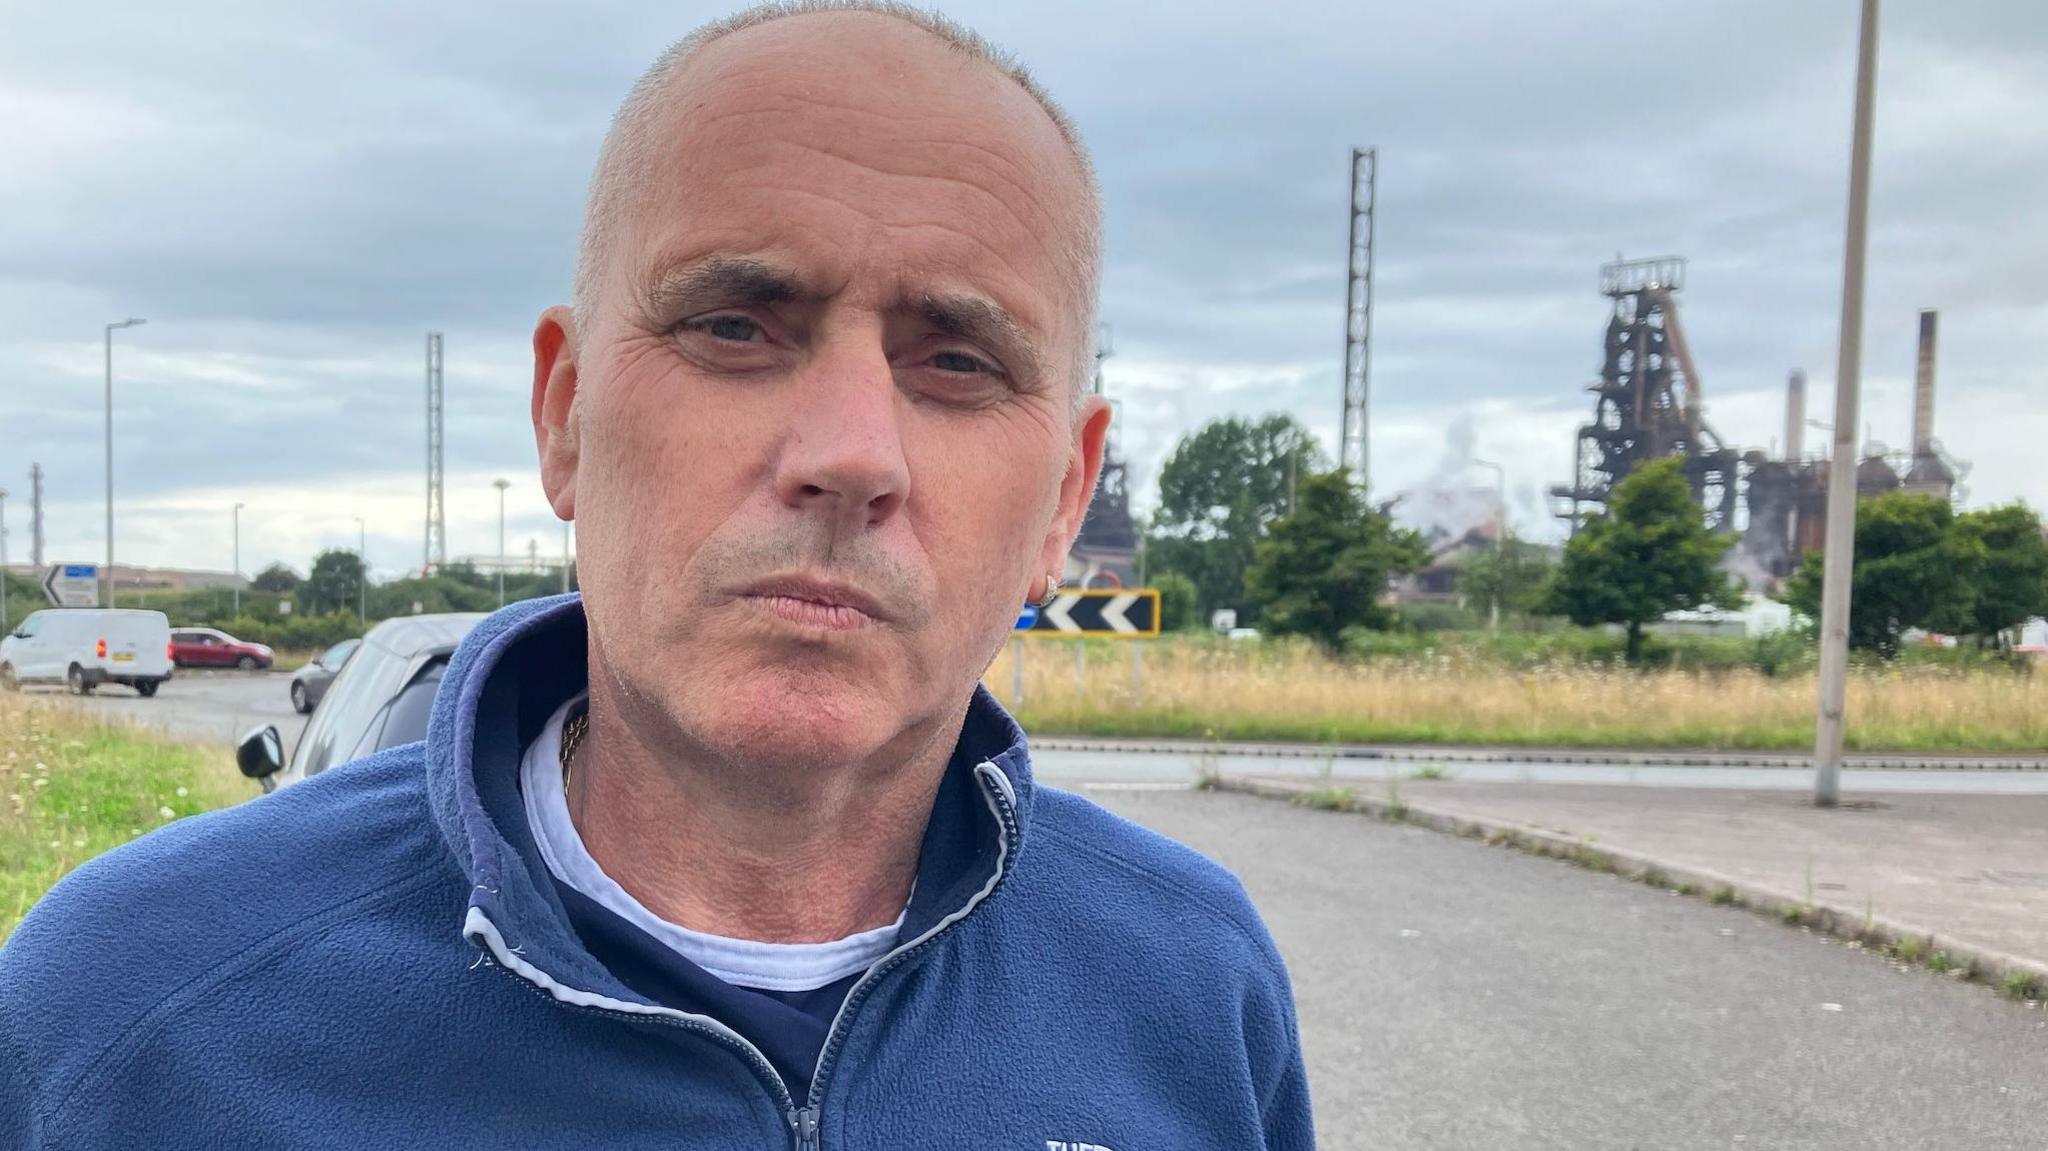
<point>811,602</point>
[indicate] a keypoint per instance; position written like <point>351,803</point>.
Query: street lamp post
<point>130,322</point>
<point>236,581</point>
<point>501,485</point>
<point>362,576</point>
<point>1839,549</point>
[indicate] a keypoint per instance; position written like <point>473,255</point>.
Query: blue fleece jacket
<point>377,958</point>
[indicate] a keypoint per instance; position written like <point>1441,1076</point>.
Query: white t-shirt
<point>740,962</point>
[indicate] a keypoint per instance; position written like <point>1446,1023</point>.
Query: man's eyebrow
<point>983,321</point>
<point>720,281</point>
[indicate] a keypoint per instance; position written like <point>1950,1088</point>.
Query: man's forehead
<point>862,86</point>
<point>838,55</point>
<point>764,145</point>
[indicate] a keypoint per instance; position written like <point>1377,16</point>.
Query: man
<point>732,851</point>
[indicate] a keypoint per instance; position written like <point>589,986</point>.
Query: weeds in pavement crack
<point>2023,985</point>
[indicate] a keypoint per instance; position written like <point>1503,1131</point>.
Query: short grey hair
<point>624,156</point>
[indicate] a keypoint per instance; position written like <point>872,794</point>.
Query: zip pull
<point>805,1121</point>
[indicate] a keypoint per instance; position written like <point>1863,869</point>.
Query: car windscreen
<point>335,656</point>
<point>354,703</point>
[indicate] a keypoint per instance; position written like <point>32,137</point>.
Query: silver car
<point>381,699</point>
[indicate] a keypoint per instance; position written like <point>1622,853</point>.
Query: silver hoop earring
<point>1052,590</point>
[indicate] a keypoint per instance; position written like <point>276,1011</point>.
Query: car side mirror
<point>260,755</point>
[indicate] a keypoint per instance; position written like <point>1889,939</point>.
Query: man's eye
<point>959,362</point>
<point>738,329</point>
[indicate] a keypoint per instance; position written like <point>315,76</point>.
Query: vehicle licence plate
<point>124,657</point>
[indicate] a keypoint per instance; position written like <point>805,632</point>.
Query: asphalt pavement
<point>1971,871</point>
<point>200,706</point>
<point>1454,995</point>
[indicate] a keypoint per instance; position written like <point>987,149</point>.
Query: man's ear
<point>1077,486</point>
<point>556,430</point>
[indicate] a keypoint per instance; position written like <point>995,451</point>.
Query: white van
<point>83,648</point>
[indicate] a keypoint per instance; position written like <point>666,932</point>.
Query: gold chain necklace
<point>572,735</point>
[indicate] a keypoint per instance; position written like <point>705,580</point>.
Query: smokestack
<point>1795,416</point>
<point>1923,387</point>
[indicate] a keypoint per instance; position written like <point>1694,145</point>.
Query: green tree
<point>1324,567</point>
<point>23,596</point>
<point>277,578</point>
<point>1219,490</point>
<point>1508,577</point>
<point>465,573</point>
<point>1179,609</point>
<point>1907,573</point>
<point>2003,559</point>
<point>334,583</point>
<point>1649,554</point>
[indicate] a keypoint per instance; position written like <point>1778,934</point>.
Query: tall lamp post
<point>363,576</point>
<point>130,322</point>
<point>236,581</point>
<point>501,485</point>
<point>1840,546</point>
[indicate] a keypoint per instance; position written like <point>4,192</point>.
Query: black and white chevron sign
<point>1121,613</point>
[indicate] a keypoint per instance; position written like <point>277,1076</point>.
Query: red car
<point>205,647</point>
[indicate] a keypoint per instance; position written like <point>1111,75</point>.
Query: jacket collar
<point>521,662</point>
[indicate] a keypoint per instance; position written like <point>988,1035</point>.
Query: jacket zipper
<point>805,1121</point>
<point>998,797</point>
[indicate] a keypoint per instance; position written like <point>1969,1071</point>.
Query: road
<point>202,706</point>
<point>1457,996</point>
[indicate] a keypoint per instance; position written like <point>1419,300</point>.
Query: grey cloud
<point>293,193</point>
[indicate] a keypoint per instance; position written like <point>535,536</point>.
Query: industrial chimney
<point>1923,387</point>
<point>1795,416</point>
<point>1928,474</point>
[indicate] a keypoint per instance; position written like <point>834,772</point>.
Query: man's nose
<point>842,451</point>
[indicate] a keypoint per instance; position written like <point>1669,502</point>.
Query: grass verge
<point>71,788</point>
<point>1268,691</point>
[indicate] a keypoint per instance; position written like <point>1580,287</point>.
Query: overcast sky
<point>293,193</point>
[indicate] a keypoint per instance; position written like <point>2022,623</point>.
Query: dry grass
<point>71,788</point>
<point>1289,691</point>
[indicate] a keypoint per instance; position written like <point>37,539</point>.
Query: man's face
<point>824,442</point>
